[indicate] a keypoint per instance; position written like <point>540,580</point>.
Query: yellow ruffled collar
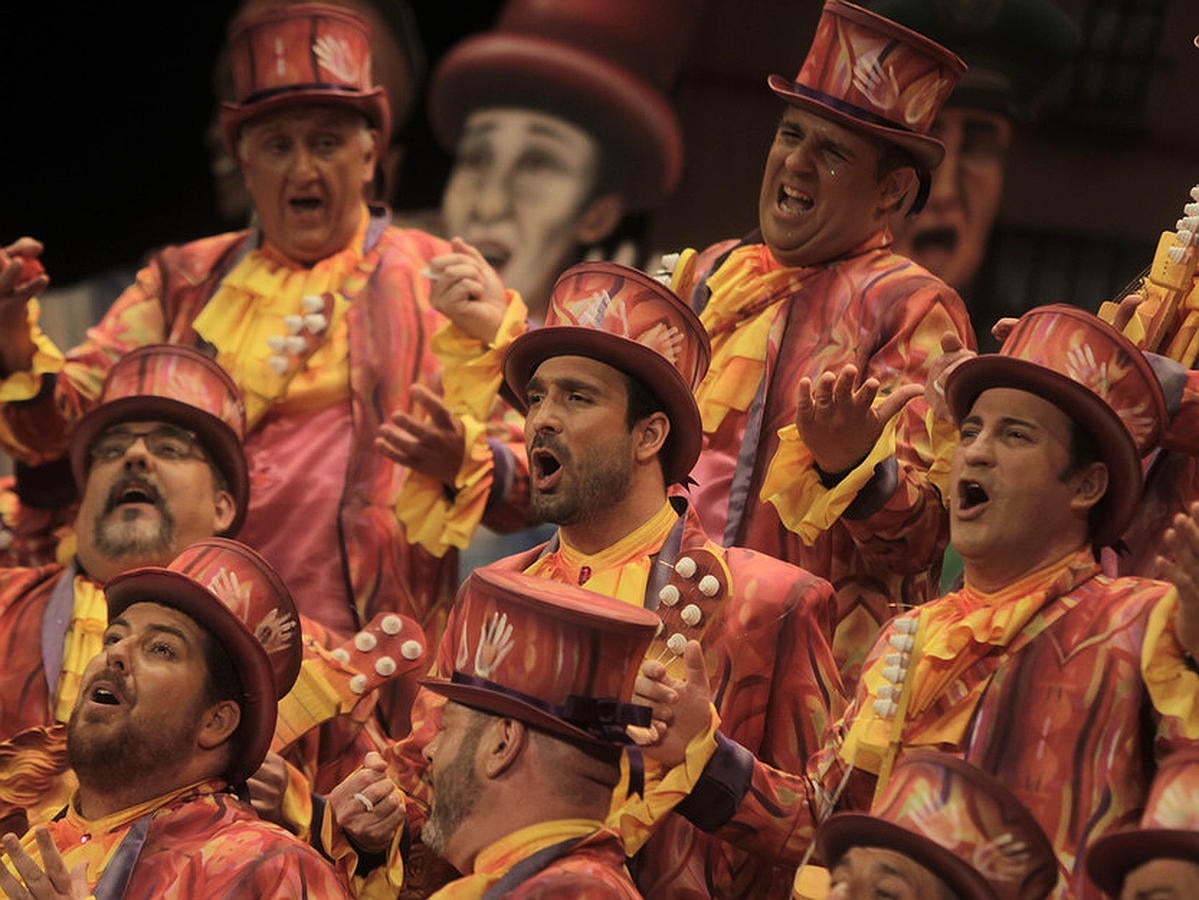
<point>652,534</point>
<point>122,818</point>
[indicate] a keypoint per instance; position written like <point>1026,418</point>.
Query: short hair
<point>644,403</point>
<point>892,157</point>
<point>1084,450</point>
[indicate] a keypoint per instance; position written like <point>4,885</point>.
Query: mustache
<point>131,483</point>
<point>543,441</point>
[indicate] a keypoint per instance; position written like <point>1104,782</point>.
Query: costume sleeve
<point>38,408</point>
<point>892,508</point>
<point>491,486</point>
<point>1173,686</point>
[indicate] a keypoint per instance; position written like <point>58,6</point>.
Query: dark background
<point>106,106</point>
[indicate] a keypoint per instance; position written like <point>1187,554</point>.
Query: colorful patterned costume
<point>1068,686</point>
<point>590,867</point>
<point>772,675</point>
<point>879,534</point>
<point>199,843</point>
<point>52,614</point>
<point>310,430</point>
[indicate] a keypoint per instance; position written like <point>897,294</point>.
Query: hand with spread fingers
<point>1180,566</point>
<point>953,352</point>
<point>21,278</point>
<point>682,709</point>
<point>838,419</point>
<point>467,290</point>
<point>48,880</point>
<point>368,806</point>
<point>432,445</point>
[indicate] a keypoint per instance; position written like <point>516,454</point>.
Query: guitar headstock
<point>688,603</point>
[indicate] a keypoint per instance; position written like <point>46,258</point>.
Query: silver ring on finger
<point>366,802</point>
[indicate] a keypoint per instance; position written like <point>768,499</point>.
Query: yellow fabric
<point>621,570</point>
<point>106,834</point>
<point>297,804</point>
<point>47,359</point>
<point>943,441</point>
<point>495,860</point>
<point>470,384</point>
<point>636,817</point>
<point>250,306</point>
<point>958,630</point>
<point>380,883</point>
<point>739,325</point>
<point>1173,687</point>
<point>84,639</point>
<point>437,522</point>
<point>474,370</point>
<point>792,484</point>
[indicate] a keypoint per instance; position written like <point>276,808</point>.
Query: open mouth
<point>132,491</point>
<point>305,204</point>
<point>934,239</point>
<point>971,495</point>
<point>545,469</point>
<point>793,201</point>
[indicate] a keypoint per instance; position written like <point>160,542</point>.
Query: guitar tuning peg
<point>358,684</point>
<point>691,614</point>
<point>341,655</point>
<point>709,586</point>
<point>685,567</point>
<point>385,666</point>
<point>902,642</point>
<point>669,595</point>
<point>886,708</point>
<point>312,303</point>
<point>676,644</point>
<point>391,625</point>
<point>277,343</point>
<point>906,626</point>
<point>293,323</point>
<point>365,641</point>
<point>410,649</point>
<point>1191,209</point>
<point>1195,192</point>
<point>278,364</point>
<point>1176,254</point>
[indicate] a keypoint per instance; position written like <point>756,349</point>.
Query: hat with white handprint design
<point>957,822</point>
<point>1169,827</point>
<point>1092,373</point>
<point>297,54</point>
<point>235,595</point>
<point>552,655</point>
<point>873,74</point>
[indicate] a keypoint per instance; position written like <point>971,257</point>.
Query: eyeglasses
<point>163,443</point>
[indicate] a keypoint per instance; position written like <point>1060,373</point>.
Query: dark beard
<point>124,756</point>
<point>601,483</point>
<point>456,790</point>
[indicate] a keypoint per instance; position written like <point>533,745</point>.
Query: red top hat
<point>556,656</point>
<point>1092,373</point>
<point>235,595</point>
<point>173,384</point>
<point>959,823</point>
<point>623,317</point>
<point>1169,826</point>
<point>606,65</point>
<point>869,73</point>
<point>301,54</point>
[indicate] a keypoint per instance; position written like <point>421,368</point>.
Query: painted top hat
<point>170,383</point>
<point>1092,373</point>
<point>958,822</point>
<point>558,657</point>
<point>620,316</point>
<point>1169,826</point>
<point>874,75</point>
<point>1013,47</point>
<point>305,53</point>
<point>605,65</point>
<point>235,595</point>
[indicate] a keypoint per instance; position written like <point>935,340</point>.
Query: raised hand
<point>432,444</point>
<point>467,290</point>
<point>838,420</point>
<point>368,806</point>
<point>1180,566</point>
<point>21,277</point>
<point>49,880</point>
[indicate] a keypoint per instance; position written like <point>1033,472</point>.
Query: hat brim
<point>221,442</point>
<point>629,117</point>
<point>372,104</point>
<point>1115,444</point>
<point>481,698</point>
<point>1112,857</point>
<point>649,367</point>
<point>261,703</point>
<point>927,151</point>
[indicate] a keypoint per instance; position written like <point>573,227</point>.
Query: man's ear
<point>501,745</point>
<point>1090,486</point>
<point>652,433</point>
<point>218,723</point>
<point>224,511</point>
<point>599,219</point>
<point>896,188</point>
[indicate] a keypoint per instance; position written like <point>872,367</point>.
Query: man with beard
<point>178,706</point>
<point>815,312</point>
<point>528,750</point>
<point>611,421</point>
<point>1070,686</point>
<point>159,465</point>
